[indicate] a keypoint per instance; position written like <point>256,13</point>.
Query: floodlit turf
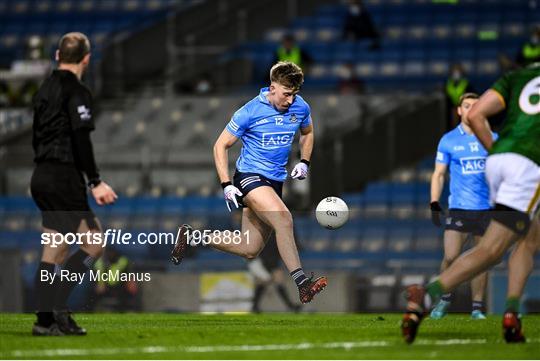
<point>270,336</point>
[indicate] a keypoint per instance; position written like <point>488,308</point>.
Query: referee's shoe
<point>51,330</point>
<point>67,324</point>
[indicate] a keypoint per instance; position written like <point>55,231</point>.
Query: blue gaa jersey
<point>267,134</point>
<point>466,158</point>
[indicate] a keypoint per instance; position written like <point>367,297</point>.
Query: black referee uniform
<point>63,152</point>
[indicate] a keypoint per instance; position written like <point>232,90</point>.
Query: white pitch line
<point>451,342</point>
<point>228,348</point>
<point>194,349</point>
<point>238,348</point>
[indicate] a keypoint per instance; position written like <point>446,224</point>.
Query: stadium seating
<point>420,39</point>
<point>50,19</point>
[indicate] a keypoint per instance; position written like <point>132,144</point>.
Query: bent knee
<point>251,254</point>
<point>252,251</point>
<point>282,221</point>
<point>493,254</point>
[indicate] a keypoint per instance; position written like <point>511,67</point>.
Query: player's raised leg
<point>487,253</point>
<point>270,208</point>
<point>255,234</point>
<point>247,244</point>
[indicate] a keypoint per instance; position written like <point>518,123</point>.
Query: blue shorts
<point>247,182</point>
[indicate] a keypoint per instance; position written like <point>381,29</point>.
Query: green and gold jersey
<point>520,92</point>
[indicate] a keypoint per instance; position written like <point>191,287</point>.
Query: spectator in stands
<point>290,51</point>
<point>457,84</point>
<point>114,294</point>
<point>530,51</point>
<point>359,25</point>
<point>349,83</point>
<point>35,48</point>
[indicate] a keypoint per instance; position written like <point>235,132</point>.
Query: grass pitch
<point>268,336</point>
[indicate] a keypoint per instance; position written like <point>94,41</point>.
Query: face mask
<point>456,75</point>
<point>535,39</point>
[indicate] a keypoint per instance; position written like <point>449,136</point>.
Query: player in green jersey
<point>513,175</point>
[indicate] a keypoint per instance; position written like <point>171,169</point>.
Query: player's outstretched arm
<point>490,103</point>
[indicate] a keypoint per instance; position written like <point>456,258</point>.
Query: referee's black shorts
<point>59,191</point>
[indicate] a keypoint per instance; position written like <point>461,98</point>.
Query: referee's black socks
<point>45,290</point>
<point>78,263</point>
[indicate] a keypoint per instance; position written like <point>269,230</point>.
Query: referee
<point>64,156</point>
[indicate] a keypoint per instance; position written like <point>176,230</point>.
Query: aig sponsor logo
<point>473,165</point>
<point>277,139</point>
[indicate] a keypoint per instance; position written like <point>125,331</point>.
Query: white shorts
<point>514,181</point>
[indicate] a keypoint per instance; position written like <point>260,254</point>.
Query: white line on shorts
<point>236,348</point>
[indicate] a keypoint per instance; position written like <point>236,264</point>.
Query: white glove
<point>230,192</point>
<point>300,171</point>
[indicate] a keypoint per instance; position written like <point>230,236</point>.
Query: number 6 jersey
<point>519,91</point>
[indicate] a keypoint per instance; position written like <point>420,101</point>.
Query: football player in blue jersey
<point>461,153</point>
<point>266,126</point>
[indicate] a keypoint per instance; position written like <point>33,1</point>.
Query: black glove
<point>436,213</point>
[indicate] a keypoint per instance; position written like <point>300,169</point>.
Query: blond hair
<point>287,74</point>
<point>467,96</point>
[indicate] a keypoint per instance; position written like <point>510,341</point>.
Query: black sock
<point>78,263</point>
<point>282,292</point>
<point>447,297</point>
<point>298,276</point>
<point>259,290</point>
<point>45,292</point>
<point>478,305</point>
